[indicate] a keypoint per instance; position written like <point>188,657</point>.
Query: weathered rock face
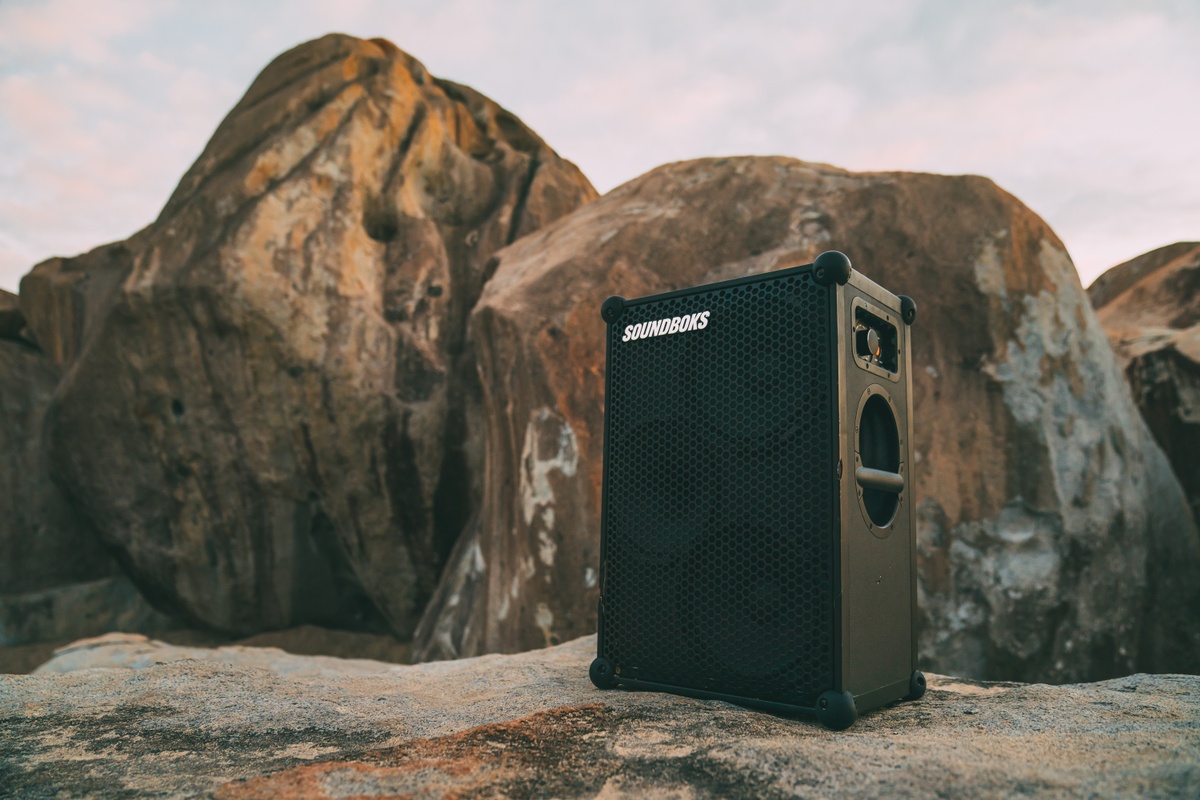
<point>1159,289</point>
<point>63,299</point>
<point>1150,308</point>
<point>1165,380</point>
<point>1054,543</point>
<point>248,723</point>
<point>68,611</point>
<point>42,543</point>
<point>57,581</point>
<point>270,415</point>
<point>12,321</point>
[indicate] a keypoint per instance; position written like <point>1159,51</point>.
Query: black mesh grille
<point>719,492</point>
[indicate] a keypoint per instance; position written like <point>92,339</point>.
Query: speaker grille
<point>720,505</point>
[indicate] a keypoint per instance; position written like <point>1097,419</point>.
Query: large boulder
<point>1150,308</point>
<point>57,581</point>
<point>269,408</point>
<point>237,722</point>
<point>1054,542</point>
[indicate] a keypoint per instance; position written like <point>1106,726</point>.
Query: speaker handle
<point>879,479</point>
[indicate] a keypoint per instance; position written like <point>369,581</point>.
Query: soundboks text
<point>660,327</point>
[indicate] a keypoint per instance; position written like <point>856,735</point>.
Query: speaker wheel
<point>836,710</point>
<point>602,673</point>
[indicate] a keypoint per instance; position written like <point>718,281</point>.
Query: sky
<point>1089,112</point>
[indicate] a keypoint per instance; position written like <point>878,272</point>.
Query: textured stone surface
<point>1170,299</point>
<point>136,651</point>
<point>307,640</point>
<point>240,723</point>
<point>1054,542</point>
<point>57,581</point>
<point>42,543</point>
<point>73,610</point>
<point>1150,308</point>
<point>1165,380</point>
<point>269,413</point>
<point>63,299</point>
<point>12,321</point>
<point>51,560</point>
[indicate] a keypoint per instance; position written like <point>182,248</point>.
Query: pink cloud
<point>32,111</point>
<point>82,29</point>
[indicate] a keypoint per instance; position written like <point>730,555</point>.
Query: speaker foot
<point>602,674</point>
<point>836,710</point>
<point>916,686</point>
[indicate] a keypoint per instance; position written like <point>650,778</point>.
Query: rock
<point>57,580</point>
<point>272,416</point>
<point>1054,543</point>
<point>43,544</point>
<point>74,610</point>
<point>160,721</point>
<point>135,651</point>
<point>1165,380</point>
<point>311,640</point>
<point>307,640</point>
<point>1157,289</point>
<point>1150,308</point>
<point>12,321</point>
<point>63,299</point>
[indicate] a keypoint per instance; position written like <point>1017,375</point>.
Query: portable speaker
<point>757,524</point>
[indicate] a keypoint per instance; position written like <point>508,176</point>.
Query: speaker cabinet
<point>757,525</point>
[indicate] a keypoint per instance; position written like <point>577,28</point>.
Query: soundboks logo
<point>659,327</point>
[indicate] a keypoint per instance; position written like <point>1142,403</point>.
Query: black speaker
<point>757,524</point>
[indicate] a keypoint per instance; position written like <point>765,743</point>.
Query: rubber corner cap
<point>916,685</point>
<point>831,267</point>
<point>612,308</point>
<point>602,673</point>
<point>908,309</point>
<point>836,710</point>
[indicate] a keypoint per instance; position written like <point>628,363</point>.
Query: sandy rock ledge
<point>125,717</point>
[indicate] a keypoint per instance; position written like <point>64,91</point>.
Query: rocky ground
<point>305,640</point>
<point>126,717</point>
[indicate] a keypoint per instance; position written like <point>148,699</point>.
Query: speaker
<point>757,522</point>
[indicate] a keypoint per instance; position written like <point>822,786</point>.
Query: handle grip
<point>891,482</point>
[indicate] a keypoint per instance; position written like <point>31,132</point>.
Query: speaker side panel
<point>878,590</point>
<point>720,506</point>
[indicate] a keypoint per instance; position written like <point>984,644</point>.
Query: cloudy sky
<point>1088,111</point>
